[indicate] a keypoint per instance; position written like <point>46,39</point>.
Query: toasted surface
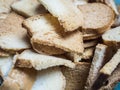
<point>50,50</point>
<point>49,79</point>
<point>19,79</point>
<point>75,78</point>
<point>97,63</point>
<point>31,59</point>
<point>3,53</point>
<point>5,6</point>
<point>46,30</point>
<point>88,44</point>
<point>5,65</point>
<point>97,15</point>
<point>30,8</point>
<point>11,31</point>
<point>69,16</point>
<point>112,80</point>
<point>109,67</point>
<point>112,37</point>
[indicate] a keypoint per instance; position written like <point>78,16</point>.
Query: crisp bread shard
<point>13,37</point>
<point>69,16</point>
<point>5,65</point>
<point>97,63</point>
<point>97,16</point>
<point>29,59</point>
<point>51,78</point>
<point>5,6</point>
<point>112,37</point>
<point>30,8</point>
<point>75,78</point>
<point>46,30</point>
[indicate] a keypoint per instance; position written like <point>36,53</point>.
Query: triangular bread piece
<point>97,16</point>
<point>29,59</point>
<point>5,5</point>
<point>5,65</point>
<point>50,79</point>
<point>69,16</point>
<point>76,78</point>
<point>30,8</point>
<point>46,30</point>
<point>13,37</point>
<point>112,37</point>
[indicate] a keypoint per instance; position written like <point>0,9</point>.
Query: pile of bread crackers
<point>59,45</point>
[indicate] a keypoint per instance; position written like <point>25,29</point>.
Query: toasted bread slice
<point>13,37</point>
<point>29,59</point>
<point>75,78</point>
<point>50,50</point>
<point>109,67</point>
<point>88,44</point>
<point>69,16</point>
<point>97,15</point>
<point>30,8</point>
<point>112,37</point>
<point>51,78</point>
<point>97,63</point>
<point>5,6</point>
<point>46,30</point>
<point>3,53</point>
<point>5,65</point>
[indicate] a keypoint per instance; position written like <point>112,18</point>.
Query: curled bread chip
<point>75,78</point>
<point>13,37</point>
<point>5,5</point>
<point>30,8</point>
<point>112,37</point>
<point>97,63</point>
<point>109,67</point>
<point>29,59</point>
<point>46,49</point>
<point>46,30</point>
<point>5,65</point>
<point>51,78</point>
<point>97,16</point>
<point>69,16</point>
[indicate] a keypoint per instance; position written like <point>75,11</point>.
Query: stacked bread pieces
<point>58,45</point>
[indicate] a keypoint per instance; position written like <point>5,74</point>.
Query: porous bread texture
<point>46,30</point>
<point>30,8</point>
<point>97,15</point>
<point>75,78</point>
<point>29,59</point>
<point>69,16</point>
<point>13,37</point>
<point>112,37</point>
